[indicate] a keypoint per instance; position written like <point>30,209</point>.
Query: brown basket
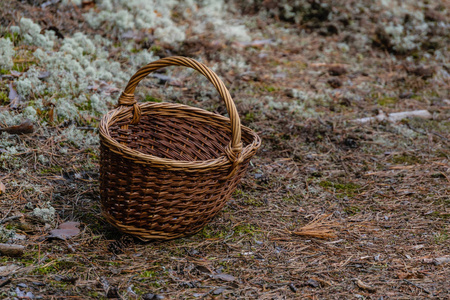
<point>167,169</point>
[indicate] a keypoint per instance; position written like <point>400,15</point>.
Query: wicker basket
<point>167,169</point>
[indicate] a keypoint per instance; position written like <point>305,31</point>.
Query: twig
<point>6,215</point>
<point>11,250</point>
<point>418,286</point>
<point>5,220</point>
<point>425,133</point>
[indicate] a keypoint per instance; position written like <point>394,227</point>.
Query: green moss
<point>3,98</point>
<point>226,265</point>
<point>212,233</point>
<point>52,170</point>
<point>253,202</point>
<point>441,237</point>
<point>343,189</point>
<point>45,270</point>
<point>155,48</point>
<point>55,267</point>
<point>13,37</point>
<point>60,285</point>
<point>93,154</point>
<point>247,198</point>
<point>387,101</point>
<point>23,66</point>
<point>148,274</point>
<point>352,210</point>
<point>245,229</point>
<point>149,98</point>
<point>292,199</point>
<point>439,126</point>
<point>406,159</point>
<point>249,117</point>
<point>94,294</point>
<point>440,215</point>
<point>270,89</point>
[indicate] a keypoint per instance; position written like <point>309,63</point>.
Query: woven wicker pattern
<point>167,169</point>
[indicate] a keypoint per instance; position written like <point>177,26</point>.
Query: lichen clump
<point>46,215</point>
<point>6,53</point>
<point>6,234</point>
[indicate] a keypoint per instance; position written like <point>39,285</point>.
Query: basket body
<point>167,169</point>
<point>152,201</point>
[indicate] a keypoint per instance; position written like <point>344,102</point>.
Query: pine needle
<point>318,228</point>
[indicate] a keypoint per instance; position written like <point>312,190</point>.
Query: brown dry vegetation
<point>329,209</point>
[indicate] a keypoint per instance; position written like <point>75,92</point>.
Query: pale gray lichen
<point>46,215</point>
<point>120,16</point>
<point>6,53</point>
<point>30,83</point>
<point>71,2</point>
<point>6,234</point>
<point>31,34</point>
<point>78,138</point>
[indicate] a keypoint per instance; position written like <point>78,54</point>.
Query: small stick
<point>9,219</point>
<point>417,286</point>
<point>11,250</point>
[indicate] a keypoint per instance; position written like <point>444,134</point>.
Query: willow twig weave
<point>167,169</point>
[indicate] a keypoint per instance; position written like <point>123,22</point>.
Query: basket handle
<point>234,149</point>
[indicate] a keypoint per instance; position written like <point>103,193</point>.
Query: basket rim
<point>124,112</point>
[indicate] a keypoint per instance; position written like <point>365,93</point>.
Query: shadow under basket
<point>170,173</point>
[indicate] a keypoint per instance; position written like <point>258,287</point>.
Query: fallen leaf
<point>14,99</point>
<point>442,260</point>
<point>24,128</point>
<point>313,283</point>
<point>16,74</point>
<point>365,286</point>
<point>44,74</point>
<point>224,277</point>
<point>163,79</point>
<point>404,275</point>
<point>6,270</point>
<point>65,231</point>
<point>2,188</point>
<point>24,295</point>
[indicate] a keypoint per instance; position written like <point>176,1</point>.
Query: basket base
<point>146,235</point>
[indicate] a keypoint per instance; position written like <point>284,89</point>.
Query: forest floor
<point>330,208</point>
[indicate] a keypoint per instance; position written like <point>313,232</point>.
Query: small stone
<point>313,283</point>
<point>292,287</point>
<point>219,291</point>
<point>150,296</point>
